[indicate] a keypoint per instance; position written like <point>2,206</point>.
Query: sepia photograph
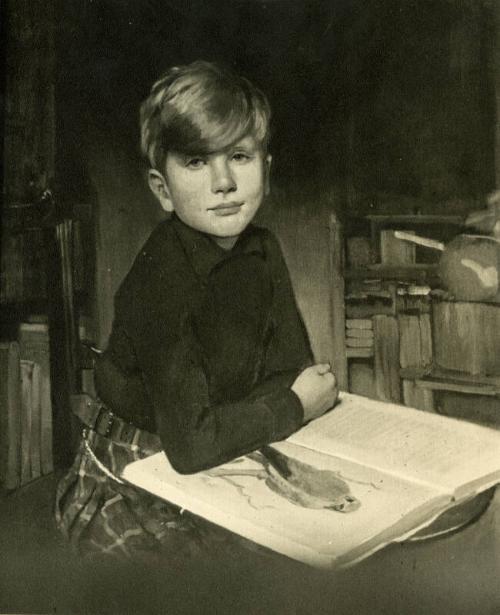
<point>250,307</point>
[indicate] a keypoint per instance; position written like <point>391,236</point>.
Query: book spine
<point>416,352</point>
<point>10,413</point>
<point>46,452</point>
<point>418,397</point>
<point>36,425</point>
<point>26,418</point>
<point>34,346</point>
<point>395,251</point>
<point>386,358</point>
<point>410,348</point>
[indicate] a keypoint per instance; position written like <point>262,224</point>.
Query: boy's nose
<point>222,177</point>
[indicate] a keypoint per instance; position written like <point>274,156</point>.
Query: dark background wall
<point>383,106</point>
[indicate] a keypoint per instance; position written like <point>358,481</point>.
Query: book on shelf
<point>34,346</point>
<point>26,411</point>
<point>364,324</point>
<point>30,421</point>
<point>358,342</point>
<point>415,340</point>
<point>395,251</point>
<point>398,467</point>
<point>10,415</point>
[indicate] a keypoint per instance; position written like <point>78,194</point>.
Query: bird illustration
<point>298,482</point>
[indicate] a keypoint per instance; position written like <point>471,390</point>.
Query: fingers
<point>330,378</point>
<point>322,368</point>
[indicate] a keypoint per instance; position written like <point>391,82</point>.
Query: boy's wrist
<point>289,415</point>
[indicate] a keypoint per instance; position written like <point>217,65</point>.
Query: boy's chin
<point>227,237</point>
<point>228,228</point>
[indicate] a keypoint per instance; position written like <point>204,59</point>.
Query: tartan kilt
<point>100,515</point>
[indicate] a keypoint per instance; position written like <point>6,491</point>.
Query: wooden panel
<point>473,407</point>
<point>415,352</point>
<point>302,227</point>
<point>361,378</point>
<point>416,396</point>
<point>337,259</point>
<point>10,415</point>
<point>29,143</point>
<point>467,337</point>
<point>415,340</point>
<point>495,64</point>
<point>28,146</point>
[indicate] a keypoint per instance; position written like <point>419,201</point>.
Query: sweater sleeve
<point>197,434</point>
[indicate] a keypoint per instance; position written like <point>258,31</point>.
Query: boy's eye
<point>240,157</point>
<point>195,163</point>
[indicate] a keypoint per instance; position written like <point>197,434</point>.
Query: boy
<point>208,356</point>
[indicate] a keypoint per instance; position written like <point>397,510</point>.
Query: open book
<point>401,467</point>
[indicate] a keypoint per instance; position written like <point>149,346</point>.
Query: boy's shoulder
<point>265,236</point>
<point>271,243</point>
<point>161,239</point>
<point>159,262</point>
<point>159,249</point>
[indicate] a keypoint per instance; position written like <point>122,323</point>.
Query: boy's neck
<point>226,243</point>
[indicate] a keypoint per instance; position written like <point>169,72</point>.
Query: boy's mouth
<point>226,209</point>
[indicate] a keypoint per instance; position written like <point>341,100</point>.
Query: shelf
<point>402,273</point>
<point>458,387</point>
<point>415,219</point>
<point>362,295</point>
<point>447,380</point>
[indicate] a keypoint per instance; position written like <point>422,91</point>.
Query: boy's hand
<point>316,387</point>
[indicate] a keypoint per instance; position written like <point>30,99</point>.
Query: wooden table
<point>459,573</point>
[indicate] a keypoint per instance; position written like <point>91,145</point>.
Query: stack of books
<point>359,337</point>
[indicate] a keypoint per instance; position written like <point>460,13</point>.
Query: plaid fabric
<point>100,515</point>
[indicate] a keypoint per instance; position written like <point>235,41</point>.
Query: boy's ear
<point>267,173</point>
<point>159,187</point>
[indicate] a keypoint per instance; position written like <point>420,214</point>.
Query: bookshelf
<point>48,222</point>
<point>42,320</point>
<point>412,352</point>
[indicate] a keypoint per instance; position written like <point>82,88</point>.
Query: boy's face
<point>218,193</point>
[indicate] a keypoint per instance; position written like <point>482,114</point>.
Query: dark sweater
<point>205,346</point>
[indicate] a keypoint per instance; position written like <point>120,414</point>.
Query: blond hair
<point>200,108</point>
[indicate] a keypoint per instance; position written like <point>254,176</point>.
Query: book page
<point>449,454</point>
<point>240,497</point>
